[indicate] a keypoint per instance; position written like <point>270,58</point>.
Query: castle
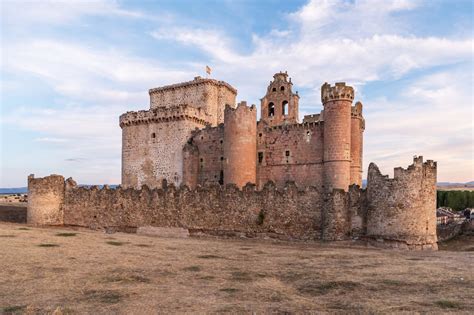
<point>197,162</point>
<point>194,134</point>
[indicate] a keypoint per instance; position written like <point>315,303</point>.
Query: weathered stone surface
<point>403,208</point>
<point>45,200</point>
<point>397,213</point>
<point>188,137</point>
<point>171,232</point>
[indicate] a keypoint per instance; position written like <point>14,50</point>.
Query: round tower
<point>357,129</point>
<point>337,102</point>
<point>240,145</point>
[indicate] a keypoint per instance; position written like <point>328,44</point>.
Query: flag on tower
<point>208,70</point>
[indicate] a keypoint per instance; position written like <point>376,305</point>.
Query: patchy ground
<point>82,271</point>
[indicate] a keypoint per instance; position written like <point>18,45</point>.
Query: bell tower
<point>280,105</point>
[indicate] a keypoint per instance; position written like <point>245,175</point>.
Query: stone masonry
<point>391,212</point>
<point>276,176</point>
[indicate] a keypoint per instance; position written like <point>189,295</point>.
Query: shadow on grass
<point>48,245</point>
<point>67,234</point>
<point>115,243</point>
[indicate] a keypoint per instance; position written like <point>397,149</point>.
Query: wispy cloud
<point>361,42</point>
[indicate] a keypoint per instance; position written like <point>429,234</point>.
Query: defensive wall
<point>398,212</point>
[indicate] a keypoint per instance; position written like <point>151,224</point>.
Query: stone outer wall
<point>397,212</point>
<point>287,213</point>
<point>304,163</point>
<point>240,145</point>
<point>402,210</point>
<point>45,200</point>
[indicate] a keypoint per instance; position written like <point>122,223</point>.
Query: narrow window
<point>260,157</point>
<point>271,109</point>
<point>202,137</point>
<point>260,135</point>
<point>221,177</point>
<point>284,108</point>
<point>222,158</point>
<point>287,153</point>
<point>274,89</point>
<point>153,135</point>
<point>282,88</point>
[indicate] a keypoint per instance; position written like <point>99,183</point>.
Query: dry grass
<point>143,275</point>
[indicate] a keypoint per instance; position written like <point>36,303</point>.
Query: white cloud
<point>432,117</point>
<point>90,74</point>
<point>21,13</point>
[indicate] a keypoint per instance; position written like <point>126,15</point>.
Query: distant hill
<point>24,190</point>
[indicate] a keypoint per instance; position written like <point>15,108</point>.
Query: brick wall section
<point>210,147</point>
<point>240,147</point>
<point>304,162</point>
<point>402,210</point>
<point>45,200</point>
<point>337,102</point>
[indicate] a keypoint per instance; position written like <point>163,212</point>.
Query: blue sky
<point>70,68</point>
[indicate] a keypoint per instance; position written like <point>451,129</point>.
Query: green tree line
<point>455,199</point>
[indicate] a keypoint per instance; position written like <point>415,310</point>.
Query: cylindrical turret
<point>337,101</point>
<point>357,128</point>
<point>240,145</point>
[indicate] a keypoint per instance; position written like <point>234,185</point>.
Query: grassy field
<point>82,271</point>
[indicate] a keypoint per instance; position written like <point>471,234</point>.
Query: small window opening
<point>221,141</point>
<point>260,157</point>
<point>153,135</point>
<point>260,135</point>
<point>222,158</point>
<point>287,153</point>
<point>284,108</point>
<point>202,160</point>
<point>221,177</point>
<point>274,89</point>
<point>308,133</point>
<point>282,88</point>
<point>202,137</point>
<point>271,110</point>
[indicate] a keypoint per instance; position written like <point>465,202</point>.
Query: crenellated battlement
<point>314,118</point>
<point>356,110</point>
<point>158,114</point>
<point>340,91</point>
<point>242,106</point>
<point>197,81</point>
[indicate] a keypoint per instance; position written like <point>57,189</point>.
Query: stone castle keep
<point>197,161</point>
<point>194,134</point>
